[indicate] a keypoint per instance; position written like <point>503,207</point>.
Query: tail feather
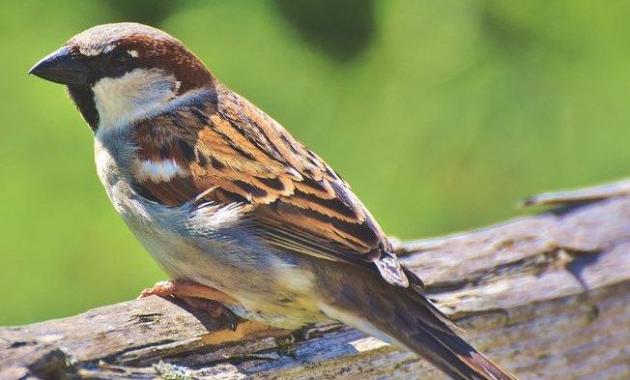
<point>423,328</point>
<point>465,361</point>
<point>412,321</point>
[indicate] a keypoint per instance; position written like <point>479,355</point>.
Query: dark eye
<point>120,58</point>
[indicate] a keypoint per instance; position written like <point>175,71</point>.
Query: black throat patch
<point>83,97</point>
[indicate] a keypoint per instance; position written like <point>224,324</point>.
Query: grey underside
<point>210,244</point>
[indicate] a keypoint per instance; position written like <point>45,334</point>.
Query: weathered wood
<point>547,296</point>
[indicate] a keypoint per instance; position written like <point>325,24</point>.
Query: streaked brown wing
<point>298,202</point>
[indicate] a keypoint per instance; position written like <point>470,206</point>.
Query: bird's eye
<point>120,58</point>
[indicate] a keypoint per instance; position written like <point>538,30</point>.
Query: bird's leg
<point>197,296</point>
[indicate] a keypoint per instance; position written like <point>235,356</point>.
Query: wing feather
<point>296,201</point>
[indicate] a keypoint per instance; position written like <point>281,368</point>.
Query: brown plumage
<point>222,194</point>
<point>300,203</point>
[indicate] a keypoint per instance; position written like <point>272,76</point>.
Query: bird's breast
<point>211,246</point>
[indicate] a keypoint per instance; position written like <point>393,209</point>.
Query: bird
<point>244,219</point>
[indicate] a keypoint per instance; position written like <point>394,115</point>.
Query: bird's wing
<point>224,143</point>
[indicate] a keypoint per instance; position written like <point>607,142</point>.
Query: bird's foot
<point>199,297</point>
<point>184,289</point>
<point>215,310</point>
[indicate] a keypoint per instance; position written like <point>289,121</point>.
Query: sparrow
<point>235,210</point>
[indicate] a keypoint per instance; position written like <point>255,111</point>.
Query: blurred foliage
<point>152,12</point>
<point>447,113</point>
<point>341,29</point>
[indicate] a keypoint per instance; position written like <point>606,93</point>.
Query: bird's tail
<point>411,320</point>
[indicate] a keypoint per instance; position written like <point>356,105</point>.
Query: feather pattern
<point>295,200</point>
<point>223,196</point>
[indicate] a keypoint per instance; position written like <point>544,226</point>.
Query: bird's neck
<point>137,95</point>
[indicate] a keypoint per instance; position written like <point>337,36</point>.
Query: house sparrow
<point>232,207</point>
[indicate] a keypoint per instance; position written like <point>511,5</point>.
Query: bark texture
<point>546,296</point>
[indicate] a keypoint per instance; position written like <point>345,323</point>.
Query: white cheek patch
<point>133,53</point>
<point>135,95</point>
<point>158,171</point>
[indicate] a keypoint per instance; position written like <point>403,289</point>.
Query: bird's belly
<point>269,288</point>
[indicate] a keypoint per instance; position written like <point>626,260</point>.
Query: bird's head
<point>116,73</point>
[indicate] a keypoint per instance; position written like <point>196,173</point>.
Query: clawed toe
<point>162,289</point>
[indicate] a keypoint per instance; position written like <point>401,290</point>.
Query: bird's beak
<point>63,67</point>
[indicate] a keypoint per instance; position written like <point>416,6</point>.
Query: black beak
<point>63,67</point>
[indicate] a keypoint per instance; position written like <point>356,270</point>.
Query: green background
<point>441,114</point>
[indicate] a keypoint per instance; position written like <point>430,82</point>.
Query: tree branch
<point>546,296</point>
